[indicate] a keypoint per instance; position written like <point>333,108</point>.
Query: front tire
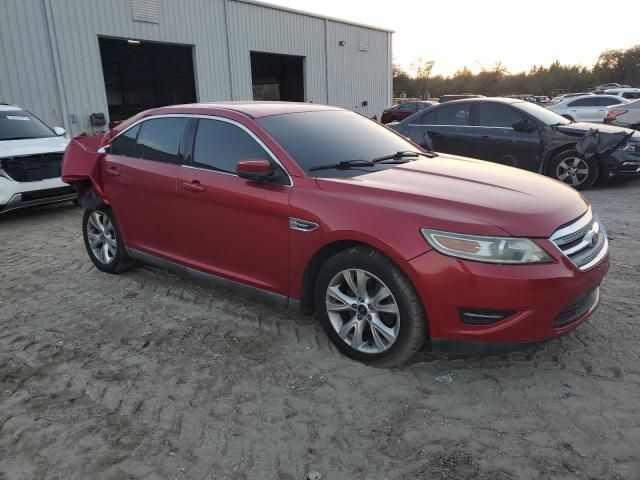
<point>369,308</point>
<point>103,241</point>
<point>570,168</point>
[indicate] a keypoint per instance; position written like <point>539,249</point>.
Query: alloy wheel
<point>363,311</point>
<point>101,235</point>
<point>572,171</point>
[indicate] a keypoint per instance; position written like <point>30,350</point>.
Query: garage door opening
<point>277,77</point>
<point>140,75</point>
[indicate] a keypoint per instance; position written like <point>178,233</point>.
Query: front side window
<point>495,115</point>
<point>457,114</point>
<point>221,145</point>
<point>159,139</point>
<point>20,125</point>
<point>125,143</point>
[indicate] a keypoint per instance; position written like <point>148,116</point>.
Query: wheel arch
<point>551,154</point>
<point>319,258</point>
<point>89,195</point>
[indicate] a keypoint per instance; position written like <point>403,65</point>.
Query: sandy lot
<point>150,375</point>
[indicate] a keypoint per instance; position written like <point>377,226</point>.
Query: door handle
<point>485,137</point>
<point>434,134</point>
<point>194,186</point>
<point>113,171</point>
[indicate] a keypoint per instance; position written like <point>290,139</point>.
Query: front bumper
<point>623,164</point>
<point>15,195</point>
<point>544,301</point>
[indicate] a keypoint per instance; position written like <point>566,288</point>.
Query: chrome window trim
<point>457,126</point>
<point>212,117</point>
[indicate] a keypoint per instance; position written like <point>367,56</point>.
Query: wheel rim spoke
<point>101,237</point>
<point>363,329</point>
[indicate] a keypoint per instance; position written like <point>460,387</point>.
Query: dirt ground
<point>150,375</point>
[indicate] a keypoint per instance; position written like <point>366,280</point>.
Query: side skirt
<point>247,290</point>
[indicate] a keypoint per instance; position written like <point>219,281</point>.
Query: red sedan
<point>324,210</point>
<point>403,110</point>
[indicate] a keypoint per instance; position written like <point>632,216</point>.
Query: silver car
<point>627,115</point>
<point>587,108</point>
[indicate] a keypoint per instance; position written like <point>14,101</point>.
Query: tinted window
<point>159,139</point>
<point>428,118</point>
<point>542,114</point>
<point>327,137</point>
<point>407,107</point>
<point>221,145</point>
<point>20,124</point>
<point>453,115</point>
<point>496,115</point>
<point>584,102</point>
<point>631,94</point>
<point>606,101</point>
<point>125,143</point>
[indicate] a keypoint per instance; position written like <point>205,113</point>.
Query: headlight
<point>486,249</point>
<point>631,147</point>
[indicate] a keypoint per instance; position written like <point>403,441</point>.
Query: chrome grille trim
<point>584,241</point>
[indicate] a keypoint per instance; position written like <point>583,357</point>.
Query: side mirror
<point>59,131</point>
<point>255,170</point>
<point>524,125</point>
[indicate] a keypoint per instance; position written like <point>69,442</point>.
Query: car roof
<point>9,108</point>
<point>249,108</point>
<point>484,99</point>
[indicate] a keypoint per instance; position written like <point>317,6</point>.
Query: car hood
<point>581,128</point>
<point>32,146</point>
<point>468,196</point>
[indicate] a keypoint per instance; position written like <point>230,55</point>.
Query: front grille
<point>583,241</point>
<point>576,309</point>
<point>48,193</point>
<point>32,168</point>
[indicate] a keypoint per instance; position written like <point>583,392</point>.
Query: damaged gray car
<point>524,135</point>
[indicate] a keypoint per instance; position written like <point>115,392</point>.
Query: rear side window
<point>495,115</point>
<point>453,114</point>
<point>125,143</point>
<point>606,101</point>
<point>221,145</point>
<point>584,102</point>
<point>631,95</point>
<point>159,139</point>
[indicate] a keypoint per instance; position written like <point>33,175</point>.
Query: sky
<point>479,33</point>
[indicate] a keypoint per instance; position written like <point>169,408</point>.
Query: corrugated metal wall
<point>51,59</point>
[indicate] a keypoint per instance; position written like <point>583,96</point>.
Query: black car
<point>524,135</point>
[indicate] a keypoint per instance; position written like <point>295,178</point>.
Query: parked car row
<point>523,135</point>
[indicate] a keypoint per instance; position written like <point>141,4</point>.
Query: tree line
<point>621,66</point>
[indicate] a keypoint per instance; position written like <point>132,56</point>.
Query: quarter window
<point>221,145</point>
<point>494,115</point>
<point>606,101</point>
<point>125,143</point>
<point>159,139</point>
<point>453,115</point>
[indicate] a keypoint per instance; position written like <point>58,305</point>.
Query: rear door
<point>499,142</point>
<point>448,128</point>
<point>584,109</point>
<point>140,173</point>
<point>232,227</point>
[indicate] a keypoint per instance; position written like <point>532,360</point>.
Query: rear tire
<point>369,308</point>
<point>103,241</point>
<point>568,167</point>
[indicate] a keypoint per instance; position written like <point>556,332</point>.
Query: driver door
<point>233,228</point>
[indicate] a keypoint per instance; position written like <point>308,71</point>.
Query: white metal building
<point>67,59</point>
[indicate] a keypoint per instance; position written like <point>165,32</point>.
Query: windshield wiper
<point>405,154</point>
<point>399,157</point>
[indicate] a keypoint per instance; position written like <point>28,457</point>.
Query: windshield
<point>544,115</point>
<point>322,137</point>
<point>20,124</point>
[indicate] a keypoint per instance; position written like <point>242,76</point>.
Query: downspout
<point>226,32</point>
<point>55,58</point>
<point>326,58</point>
